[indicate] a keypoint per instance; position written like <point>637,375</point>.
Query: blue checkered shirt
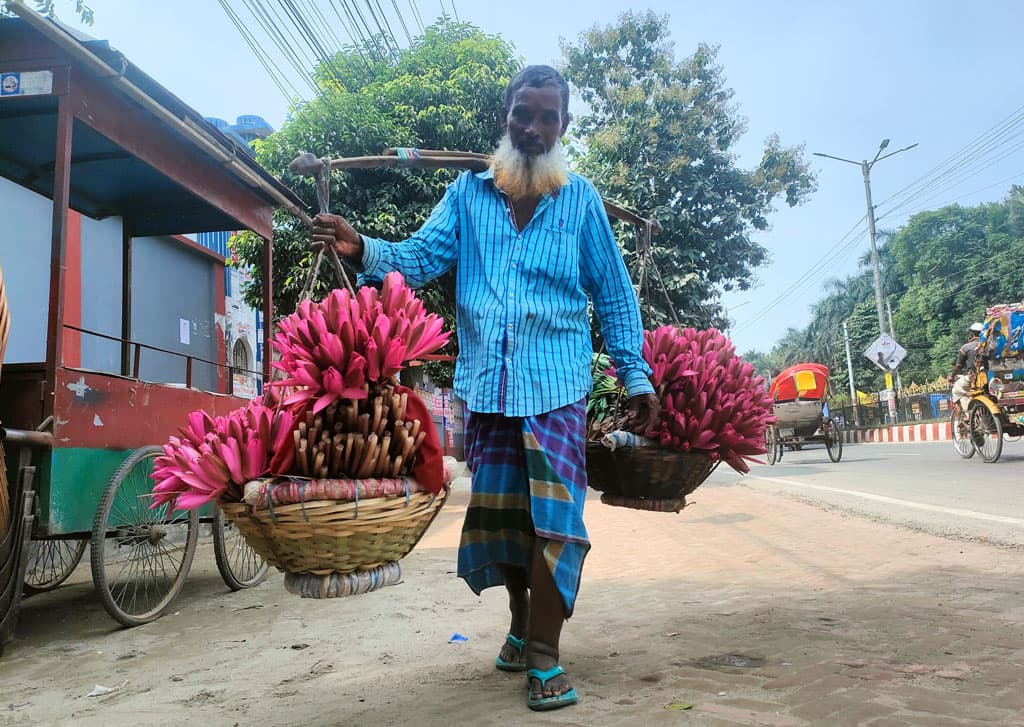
<point>522,314</point>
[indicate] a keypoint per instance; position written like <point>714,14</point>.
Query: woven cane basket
<point>646,478</point>
<point>330,536</point>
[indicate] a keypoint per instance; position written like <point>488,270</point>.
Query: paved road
<point>924,486</point>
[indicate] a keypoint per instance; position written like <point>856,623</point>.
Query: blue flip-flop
<point>561,700</point>
<point>520,645</point>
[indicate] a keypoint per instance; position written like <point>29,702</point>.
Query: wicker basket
<point>322,537</point>
<point>646,478</point>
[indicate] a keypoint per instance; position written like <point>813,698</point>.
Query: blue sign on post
<point>10,84</point>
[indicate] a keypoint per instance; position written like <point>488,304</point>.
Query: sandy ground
<point>750,607</point>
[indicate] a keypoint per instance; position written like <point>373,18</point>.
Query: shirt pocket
<point>551,261</point>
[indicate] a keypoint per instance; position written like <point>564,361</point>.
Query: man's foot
<point>550,689</point>
<point>512,656</point>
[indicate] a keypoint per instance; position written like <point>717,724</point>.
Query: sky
<point>836,77</point>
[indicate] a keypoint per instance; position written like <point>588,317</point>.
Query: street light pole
<point>865,168</point>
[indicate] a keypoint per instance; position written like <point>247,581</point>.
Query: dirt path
<point>753,608</point>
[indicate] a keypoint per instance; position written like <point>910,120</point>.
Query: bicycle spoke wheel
<point>960,427</point>
<point>240,566</point>
<point>140,556</point>
<point>771,444</point>
<point>986,432</point>
<point>51,562</point>
<point>833,440</point>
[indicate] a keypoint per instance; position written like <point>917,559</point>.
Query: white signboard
<point>885,353</point>
<point>25,83</point>
<point>185,331</point>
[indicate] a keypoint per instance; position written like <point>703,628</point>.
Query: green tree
<point>47,8</point>
<point>444,92</point>
<point>940,272</point>
<point>955,262</point>
<point>658,136</point>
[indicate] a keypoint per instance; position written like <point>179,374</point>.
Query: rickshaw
<point>996,394</point>
<point>799,395</point>
<point>96,135</point>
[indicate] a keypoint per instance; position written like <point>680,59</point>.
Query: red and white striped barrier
<point>931,432</point>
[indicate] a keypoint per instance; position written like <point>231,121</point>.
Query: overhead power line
<point>993,145</point>
<point>301,42</point>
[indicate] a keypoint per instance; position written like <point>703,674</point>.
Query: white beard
<point>523,176</point>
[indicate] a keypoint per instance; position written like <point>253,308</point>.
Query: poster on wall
<point>185,331</point>
<point>243,386</point>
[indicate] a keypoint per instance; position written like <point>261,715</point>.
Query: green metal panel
<point>70,495</point>
<point>71,490</point>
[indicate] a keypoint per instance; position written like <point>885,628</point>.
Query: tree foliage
<point>658,136</point>
<point>444,92</point>
<point>940,272</point>
<point>48,8</point>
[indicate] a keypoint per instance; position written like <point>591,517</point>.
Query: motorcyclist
<point>960,378</point>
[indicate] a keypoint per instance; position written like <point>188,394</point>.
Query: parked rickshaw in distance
<point>799,395</point>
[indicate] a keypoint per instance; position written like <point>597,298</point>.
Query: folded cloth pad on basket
<point>290,490</point>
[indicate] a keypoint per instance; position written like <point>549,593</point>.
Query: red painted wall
<point>73,290</point>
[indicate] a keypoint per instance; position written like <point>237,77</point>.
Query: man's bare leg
<point>519,606</point>
<point>547,614</point>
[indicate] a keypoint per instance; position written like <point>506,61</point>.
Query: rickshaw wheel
<point>771,444</point>
<point>960,426</point>
<point>51,562</point>
<point>833,440</point>
<point>240,566</point>
<point>986,432</point>
<point>140,556</point>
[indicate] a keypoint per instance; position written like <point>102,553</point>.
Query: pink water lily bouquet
<point>339,347</point>
<point>215,456</point>
<point>711,400</point>
<point>339,358</point>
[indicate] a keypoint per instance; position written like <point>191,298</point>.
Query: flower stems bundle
<point>358,438</point>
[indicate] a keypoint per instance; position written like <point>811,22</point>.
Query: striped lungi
<point>529,479</point>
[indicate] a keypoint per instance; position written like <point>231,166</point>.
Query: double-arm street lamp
<point>865,168</point>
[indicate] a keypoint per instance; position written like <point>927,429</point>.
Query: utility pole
<point>865,168</point>
<point>892,332</point>
<point>849,371</point>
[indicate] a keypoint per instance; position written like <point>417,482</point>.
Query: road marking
<point>896,501</point>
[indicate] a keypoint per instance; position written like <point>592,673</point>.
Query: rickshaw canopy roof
<point>800,381</point>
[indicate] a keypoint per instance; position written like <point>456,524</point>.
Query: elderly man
<point>529,242</point>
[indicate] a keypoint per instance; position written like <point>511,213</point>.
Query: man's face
<point>535,120</point>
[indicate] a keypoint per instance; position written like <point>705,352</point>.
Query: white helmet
<point>977,327</point>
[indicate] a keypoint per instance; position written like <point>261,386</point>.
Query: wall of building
<point>25,257</point>
<point>240,329</point>
<point>177,293</point>
<point>100,301</point>
<point>173,308</point>
<point>240,325</point>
